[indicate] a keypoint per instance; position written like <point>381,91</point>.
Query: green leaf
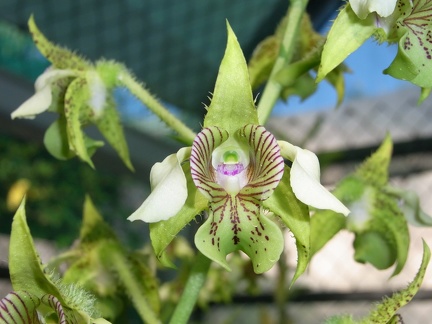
<point>295,216</point>
<point>163,232</point>
<point>60,57</point>
<point>26,271</point>
<point>386,310</point>
<point>347,34</point>
<point>374,171</point>
<point>325,224</point>
<point>232,105</point>
<point>56,141</point>
<point>414,58</point>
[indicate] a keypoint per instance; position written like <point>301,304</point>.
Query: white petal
<point>169,190</point>
<point>36,104</point>
<point>41,100</point>
<point>305,179</point>
<point>383,8</point>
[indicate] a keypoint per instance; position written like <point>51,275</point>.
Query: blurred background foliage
<point>55,191</point>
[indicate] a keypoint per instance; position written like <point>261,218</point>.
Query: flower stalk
<point>185,133</point>
<point>195,281</point>
<point>273,88</point>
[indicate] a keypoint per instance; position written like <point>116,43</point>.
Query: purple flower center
<point>230,169</point>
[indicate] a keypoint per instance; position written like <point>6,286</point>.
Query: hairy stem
<point>128,280</point>
<point>185,133</point>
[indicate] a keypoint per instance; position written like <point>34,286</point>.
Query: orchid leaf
<point>25,266</point>
<point>347,34</point>
<point>232,105</point>
<point>295,216</point>
<point>414,58</point>
<point>385,311</point>
<point>163,232</point>
<point>60,57</point>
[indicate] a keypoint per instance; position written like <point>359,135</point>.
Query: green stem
<point>129,281</point>
<point>185,133</point>
<point>196,280</point>
<point>273,89</point>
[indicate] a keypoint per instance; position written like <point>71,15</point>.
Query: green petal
<point>238,224</point>
<point>169,190</point>
<point>232,105</point>
<point>60,57</point>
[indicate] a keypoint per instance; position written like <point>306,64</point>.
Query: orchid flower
<point>81,93</point>
<point>235,173</point>
<point>405,22</point>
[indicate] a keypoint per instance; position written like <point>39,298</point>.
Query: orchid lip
<point>230,169</point>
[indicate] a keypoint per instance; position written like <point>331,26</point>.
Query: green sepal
<point>374,171</point>
<point>295,215</point>
<point>232,105</point>
<point>385,311</point>
<point>25,266</point>
<point>60,57</point>
<point>76,111</point>
<point>324,224</point>
<point>163,232</point>
<point>56,140</point>
<point>347,34</point>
